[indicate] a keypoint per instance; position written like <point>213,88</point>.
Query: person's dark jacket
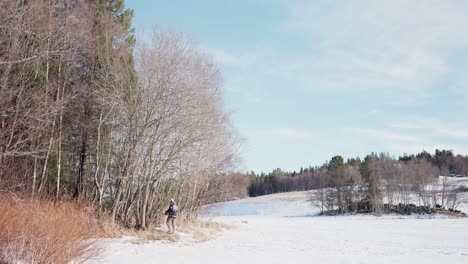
<point>172,211</point>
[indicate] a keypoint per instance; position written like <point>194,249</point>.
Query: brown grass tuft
<point>39,231</point>
<point>203,231</point>
<point>152,235</point>
<point>200,231</point>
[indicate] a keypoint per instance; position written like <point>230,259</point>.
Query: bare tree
<point>177,137</point>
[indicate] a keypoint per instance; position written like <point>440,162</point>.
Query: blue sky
<point>306,80</point>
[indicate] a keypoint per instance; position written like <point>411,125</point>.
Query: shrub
<point>39,231</point>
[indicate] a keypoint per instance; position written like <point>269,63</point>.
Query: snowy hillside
<point>276,205</point>
<point>296,204</point>
<point>282,228</point>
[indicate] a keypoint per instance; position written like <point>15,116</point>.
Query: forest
<point>94,114</point>
<point>378,183</point>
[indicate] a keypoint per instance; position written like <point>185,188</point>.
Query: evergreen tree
<point>371,184</point>
<point>336,168</point>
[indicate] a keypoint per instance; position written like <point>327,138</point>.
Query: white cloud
<point>372,112</point>
<point>291,133</point>
<point>405,125</point>
<point>248,90</point>
<point>457,133</point>
<point>377,44</point>
<point>229,58</point>
<point>447,129</point>
<point>385,135</point>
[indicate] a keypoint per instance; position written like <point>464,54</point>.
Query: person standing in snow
<point>171,213</point>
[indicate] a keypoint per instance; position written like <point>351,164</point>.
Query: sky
<point>307,80</point>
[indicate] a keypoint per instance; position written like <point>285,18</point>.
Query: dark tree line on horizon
<point>444,162</point>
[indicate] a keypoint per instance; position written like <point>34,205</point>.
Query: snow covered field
<point>282,228</point>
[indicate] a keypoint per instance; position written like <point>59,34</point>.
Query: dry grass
<point>200,231</point>
<point>209,225</point>
<point>203,231</point>
<point>38,231</point>
<point>152,235</point>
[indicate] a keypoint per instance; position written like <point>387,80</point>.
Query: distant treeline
<point>442,162</point>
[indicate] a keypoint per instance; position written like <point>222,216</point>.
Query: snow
<point>277,205</point>
<point>283,228</point>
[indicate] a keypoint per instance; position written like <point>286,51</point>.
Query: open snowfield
<point>282,228</point>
